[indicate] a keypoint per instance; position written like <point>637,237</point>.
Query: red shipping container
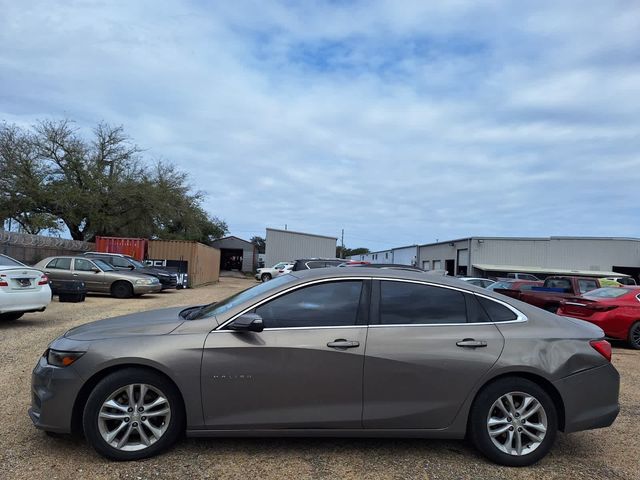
<point>134,247</point>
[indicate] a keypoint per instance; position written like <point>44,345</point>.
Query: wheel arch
<point>538,380</point>
<point>89,385</point>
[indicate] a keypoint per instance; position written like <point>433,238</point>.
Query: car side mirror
<point>249,322</point>
<point>131,267</point>
<point>95,270</point>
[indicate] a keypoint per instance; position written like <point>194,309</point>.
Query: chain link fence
<point>31,249</point>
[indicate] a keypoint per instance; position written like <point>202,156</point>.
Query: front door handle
<point>342,343</point>
<point>471,343</point>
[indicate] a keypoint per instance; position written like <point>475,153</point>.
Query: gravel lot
<point>28,453</point>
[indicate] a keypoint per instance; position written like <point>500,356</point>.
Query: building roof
<point>301,233</point>
<point>232,237</point>
<point>546,271</point>
<point>464,239</point>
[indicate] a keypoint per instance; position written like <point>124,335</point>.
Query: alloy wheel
<point>134,417</point>
<point>517,423</point>
<point>634,337</point>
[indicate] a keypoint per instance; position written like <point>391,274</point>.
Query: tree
<point>347,252</point>
<point>50,177</point>
<point>259,242</point>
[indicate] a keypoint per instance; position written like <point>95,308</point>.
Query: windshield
<point>613,292</point>
<point>493,286</point>
<point>10,262</point>
<point>244,296</point>
<point>104,266</point>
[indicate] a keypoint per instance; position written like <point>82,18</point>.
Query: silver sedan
<point>332,352</point>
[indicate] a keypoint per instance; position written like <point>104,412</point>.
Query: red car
<point>616,310</point>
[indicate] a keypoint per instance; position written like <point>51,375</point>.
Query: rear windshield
<point>9,262</point>
<point>613,292</point>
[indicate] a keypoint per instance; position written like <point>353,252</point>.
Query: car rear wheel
<point>634,336</point>
<point>133,414</point>
<point>265,277</point>
<point>513,422</point>
<point>122,290</point>
<point>11,316</point>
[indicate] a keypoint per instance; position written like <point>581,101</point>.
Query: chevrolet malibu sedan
<point>332,352</point>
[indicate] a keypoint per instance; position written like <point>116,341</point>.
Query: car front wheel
<point>133,414</point>
<point>634,336</point>
<point>122,290</point>
<point>513,422</point>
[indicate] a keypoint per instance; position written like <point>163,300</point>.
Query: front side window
<point>322,305</point>
<point>414,303</point>
<point>119,262</point>
<point>60,264</point>
<point>83,265</point>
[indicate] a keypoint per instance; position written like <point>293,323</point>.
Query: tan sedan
<point>99,276</point>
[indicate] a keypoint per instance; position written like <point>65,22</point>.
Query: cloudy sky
<point>401,121</point>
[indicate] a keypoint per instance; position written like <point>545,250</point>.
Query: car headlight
<point>58,358</point>
<point>147,281</point>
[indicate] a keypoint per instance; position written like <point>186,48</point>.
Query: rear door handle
<point>342,343</point>
<point>471,343</point>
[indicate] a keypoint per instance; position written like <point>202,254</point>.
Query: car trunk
<point>17,280</point>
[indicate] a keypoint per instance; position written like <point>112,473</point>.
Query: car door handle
<point>471,343</point>
<point>342,343</point>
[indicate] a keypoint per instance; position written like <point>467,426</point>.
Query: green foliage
<point>51,177</point>
<point>347,252</point>
<point>260,243</point>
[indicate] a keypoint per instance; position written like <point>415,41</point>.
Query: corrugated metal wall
<point>511,252</point>
<point>284,245</point>
<point>406,255</point>
<point>249,251</point>
<point>204,261</point>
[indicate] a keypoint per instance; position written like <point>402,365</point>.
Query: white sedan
<point>22,289</point>
<point>266,274</point>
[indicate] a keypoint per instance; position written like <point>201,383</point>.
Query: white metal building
<point>285,245</point>
<point>400,256</point>
<point>484,256</point>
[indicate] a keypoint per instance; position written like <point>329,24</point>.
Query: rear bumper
<point>53,393</point>
<point>590,398</point>
<point>25,301</point>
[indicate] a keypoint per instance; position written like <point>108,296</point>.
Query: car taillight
<point>3,281</point>
<point>43,280</point>
<point>599,307</point>
<point>602,347</point>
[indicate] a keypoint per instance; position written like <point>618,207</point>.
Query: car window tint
<point>587,285</point>
<point>9,262</point>
<point>496,311</point>
<point>315,265</point>
<point>321,305</point>
<point>60,264</point>
<point>118,262</point>
<point>83,265</point>
<point>414,303</point>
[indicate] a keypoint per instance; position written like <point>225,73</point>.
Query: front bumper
<point>141,289</point>
<point>167,283</point>
<point>590,398</point>
<point>53,393</point>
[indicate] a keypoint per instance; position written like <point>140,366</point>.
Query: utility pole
<point>342,242</point>
<point>285,226</point>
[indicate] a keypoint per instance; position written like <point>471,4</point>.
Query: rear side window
<point>496,311</point>
<point>119,262</point>
<point>315,264</point>
<point>415,303</point>
<point>60,264</point>
<point>322,305</point>
<point>587,285</point>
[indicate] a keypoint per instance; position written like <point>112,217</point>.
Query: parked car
<point>99,276</point>
<point>22,289</point>
<point>553,291</point>
<point>478,282</point>
<point>513,285</point>
<point>125,262</point>
<point>266,274</point>
<point>523,276</point>
<point>622,280</point>
<point>616,310</point>
<point>332,351</point>
<point>311,263</point>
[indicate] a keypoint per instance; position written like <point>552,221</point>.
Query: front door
<point>421,362</point>
<point>303,371</point>
<point>85,271</point>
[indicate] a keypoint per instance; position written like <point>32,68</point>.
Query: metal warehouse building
<point>236,254</point>
<point>495,256</point>
<point>400,256</point>
<point>285,245</point>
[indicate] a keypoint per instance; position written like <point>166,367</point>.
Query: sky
<point>399,121</point>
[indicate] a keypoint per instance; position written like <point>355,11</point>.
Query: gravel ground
<point>28,453</point>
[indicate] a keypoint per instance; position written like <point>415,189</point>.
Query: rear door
<point>427,347</point>
<point>59,269</point>
<point>304,370</point>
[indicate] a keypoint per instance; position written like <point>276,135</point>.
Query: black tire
<point>11,316</point>
<point>117,380</point>
<point>481,409</point>
<point>634,336</point>
<point>265,277</point>
<point>122,289</point>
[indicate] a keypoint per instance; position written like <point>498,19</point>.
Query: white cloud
<point>398,121</point>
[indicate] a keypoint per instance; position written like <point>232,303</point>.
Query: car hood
<point>154,322</point>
